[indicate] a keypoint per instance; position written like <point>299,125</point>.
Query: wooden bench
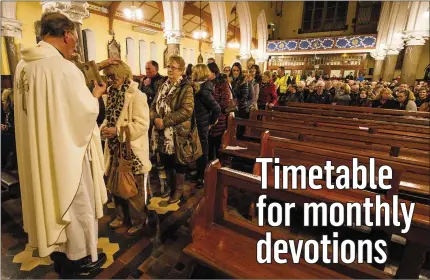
<point>371,111</point>
<point>228,244</point>
<point>411,179</point>
<point>352,136</point>
<point>373,127</point>
<point>291,153</point>
<point>415,176</point>
<point>9,186</point>
<point>352,115</point>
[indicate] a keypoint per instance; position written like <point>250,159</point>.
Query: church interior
<point>325,81</point>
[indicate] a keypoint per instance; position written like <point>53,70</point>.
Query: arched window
<point>89,42</point>
<point>131,59</point>
<point>192,57</point>
<point>185,55</point>
<point>143,56</point>
<point>153,50</point>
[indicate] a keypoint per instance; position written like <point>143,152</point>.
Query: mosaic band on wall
<point>324,43</point>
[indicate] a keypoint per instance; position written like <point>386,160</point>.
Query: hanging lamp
<point>133,12</point>
<point>234,44</point>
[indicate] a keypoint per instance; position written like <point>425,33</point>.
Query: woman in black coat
<point>239,89</point>
<point>206,112</point>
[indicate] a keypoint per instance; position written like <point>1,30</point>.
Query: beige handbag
<point>121,180</point>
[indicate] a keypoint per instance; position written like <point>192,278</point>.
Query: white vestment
<point>60,160</point>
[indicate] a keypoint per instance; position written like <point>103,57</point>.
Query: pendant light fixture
<point>234,44</point>
<point>200,34</point>
<point>133,12</point>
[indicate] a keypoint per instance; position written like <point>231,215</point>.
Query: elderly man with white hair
<point>320,95</point>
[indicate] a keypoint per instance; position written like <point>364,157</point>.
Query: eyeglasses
<point>111,77</point>
<point>172,67</point>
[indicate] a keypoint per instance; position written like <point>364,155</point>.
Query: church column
<point>11,28</point>
<point>377,69</point>
<point>219,56</point>
<point>414,47</point>
<point>415,34</point>
<point>244,60</point>
<point>173,11</point>
<point>173,38</point>
<point>390,65</point>
<point>76,11</point>
<point>219,60</point>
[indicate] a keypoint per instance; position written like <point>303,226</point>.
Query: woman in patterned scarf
<point>127,107</point>
<point>171,114</point>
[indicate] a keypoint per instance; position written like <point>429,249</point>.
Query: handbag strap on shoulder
<point>126,130</point>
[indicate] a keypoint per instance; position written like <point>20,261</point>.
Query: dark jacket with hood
<point>240,91</point>
<point>206,109</point>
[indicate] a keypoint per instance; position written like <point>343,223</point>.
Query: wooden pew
<point>352,115</point>
<point>291,153</point>
<point>411,179</point>
<point>228,244</point>
<point>352,136</point>
<point>374,127</point>
<point>415,177</point>
<point>371,111</point>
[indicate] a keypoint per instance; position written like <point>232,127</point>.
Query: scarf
<point>162,141</point>
<point>115,104</point>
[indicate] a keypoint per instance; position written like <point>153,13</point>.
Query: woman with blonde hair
<point>127,116</point>
<point>385,100</point>
<point>171,114</point>
<point>406,99</point>
<point>343,97</point>
<point>206,112</point>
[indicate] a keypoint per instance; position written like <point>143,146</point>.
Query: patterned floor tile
<point>109,261</point>
<point>110,248</point>
<point>23,256</point>
<point>161,206</point>
<point>30,263</point>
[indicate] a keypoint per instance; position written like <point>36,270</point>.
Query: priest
<point>60,159</point>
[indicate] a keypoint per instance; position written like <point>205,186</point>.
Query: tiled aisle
<point>155,253</point>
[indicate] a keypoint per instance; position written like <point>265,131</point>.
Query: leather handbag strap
<point>125,129</point>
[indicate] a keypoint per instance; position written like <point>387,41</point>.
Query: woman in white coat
<point>127,107</point>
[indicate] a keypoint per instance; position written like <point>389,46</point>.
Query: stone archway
<point>262,35</point>
<point>219,30</point>
<point>245,23</point>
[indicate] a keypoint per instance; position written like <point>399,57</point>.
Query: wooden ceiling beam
<point>112,10</point>
<point>160,7</point>
<point>190,9</point>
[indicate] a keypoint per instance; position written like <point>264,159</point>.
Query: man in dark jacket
<point>319,96</point>
<point>151,82</point>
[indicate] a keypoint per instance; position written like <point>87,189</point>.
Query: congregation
<point>110,133</point>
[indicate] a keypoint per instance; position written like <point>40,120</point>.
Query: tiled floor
<point>155,253</point>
